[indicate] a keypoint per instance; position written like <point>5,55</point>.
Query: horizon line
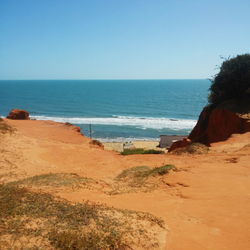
<point>107,79</point>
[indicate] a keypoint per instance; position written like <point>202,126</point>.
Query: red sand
<point>205,205</point>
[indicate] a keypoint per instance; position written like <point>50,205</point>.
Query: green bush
<point>134,151</point>
<point>232,81</point>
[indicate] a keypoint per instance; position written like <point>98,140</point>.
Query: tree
<point>232,81</point>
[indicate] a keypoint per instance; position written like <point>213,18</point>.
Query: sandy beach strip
<point>145,144</point>
<point>118,146</point>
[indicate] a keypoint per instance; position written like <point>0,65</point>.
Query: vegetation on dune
<point>135,179</point>
<point>140,171</point>
<point>232,81</point>
<point>55,179</point>
<point>193,148</point>
<point>134,151</point>
<point>161,170</point>
<point>66,181</point>
<point>139,179</point>
<point>4,127</point>
<point>145,171</point>
<point>30,220</point>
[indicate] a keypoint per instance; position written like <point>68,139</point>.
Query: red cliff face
<point>219,123</point>
<point>18,114</point>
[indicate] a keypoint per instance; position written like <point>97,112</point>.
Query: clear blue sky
<point>113,39</point>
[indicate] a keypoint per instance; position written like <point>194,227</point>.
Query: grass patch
<point>144,171</point>
<point>134,151</point>
<point>56,180</point>
<point>133,172</point>
<point>139,179</point>
<point>4,127</point>
<point>30,220</point>
<point>162,170</point>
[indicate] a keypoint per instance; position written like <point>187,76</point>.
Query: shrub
<point>233,80</point>
<point>193,148</point>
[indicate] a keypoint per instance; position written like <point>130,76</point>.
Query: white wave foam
<point>124,139</point>
<point>139,122</point>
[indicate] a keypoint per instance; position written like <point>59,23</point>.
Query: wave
<point>138,122</point>
<point>126,139</point>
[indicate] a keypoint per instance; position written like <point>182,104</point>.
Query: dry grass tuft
<point>56,180</point>
<point>5,128</point>
<point>193,148</point>
<point>144,172</point>
<point>140,178</point>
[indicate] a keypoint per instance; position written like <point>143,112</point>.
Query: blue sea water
<point>116,109</point>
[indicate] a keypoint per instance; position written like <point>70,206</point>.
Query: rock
<point>18,114</point>
<point>97,143</point>
<point>218,123</point>
<point>179,144</point>
<point>75,128</point>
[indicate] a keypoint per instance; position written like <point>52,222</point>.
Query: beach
<point>163,143</point>
<point>119,146</point>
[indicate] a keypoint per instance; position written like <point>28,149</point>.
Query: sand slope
<point>205,204</point>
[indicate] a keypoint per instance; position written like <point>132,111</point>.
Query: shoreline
<point>119,146</point>
<point>122,139</point>
<point>150,143</point>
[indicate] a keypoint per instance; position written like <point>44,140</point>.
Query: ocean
<point>117,110</point>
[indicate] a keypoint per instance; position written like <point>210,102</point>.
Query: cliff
<point>218,123</point>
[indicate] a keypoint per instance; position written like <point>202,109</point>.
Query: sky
<point>120,39</point>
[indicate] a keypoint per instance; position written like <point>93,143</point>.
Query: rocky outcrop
<point>73,127</point>
<point>97,143</point>
<point>218,123</point>
<point>179,144</point>
<point>18,114</point>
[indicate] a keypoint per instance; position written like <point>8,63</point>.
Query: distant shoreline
<point>122,140</point>
<point>146,144</point>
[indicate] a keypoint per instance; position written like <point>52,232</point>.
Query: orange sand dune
<point>205,204</point>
